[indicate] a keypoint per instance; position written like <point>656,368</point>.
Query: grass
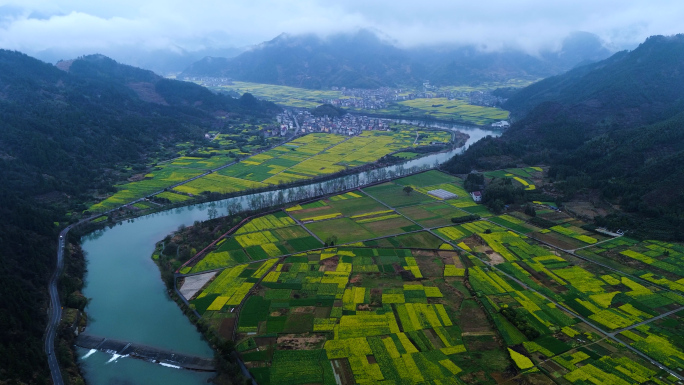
<point>345,229</point>
<point>432,214</point>
<point>393,195</point>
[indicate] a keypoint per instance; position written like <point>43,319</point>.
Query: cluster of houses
<point>208,81</point>
<point>304,122</point>
<point>366,99</point>
<point>481,98</point>
<point>501,124</point>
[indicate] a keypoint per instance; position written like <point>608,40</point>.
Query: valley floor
<point>393,285</point>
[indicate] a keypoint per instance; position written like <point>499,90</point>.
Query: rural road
<point>55,312</point>
<point>648,321</point>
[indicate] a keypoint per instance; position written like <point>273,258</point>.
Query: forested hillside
<point>64,133</point>
<point>363,60</point>
<point>615,126</point>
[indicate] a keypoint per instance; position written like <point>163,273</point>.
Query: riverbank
<point>100,280</point>
<point>113,263</point>
<point>459,140</point>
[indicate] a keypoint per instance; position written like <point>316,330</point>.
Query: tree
<point>529,210</point>
<point>497,206</point>
<point>212,212</point>
<point>408,190</point>
<point>331,240</point>
<point>474,182</point>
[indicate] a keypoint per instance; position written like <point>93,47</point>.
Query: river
<point>128,300</point>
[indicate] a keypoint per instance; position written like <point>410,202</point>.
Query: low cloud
<point>85,26</point>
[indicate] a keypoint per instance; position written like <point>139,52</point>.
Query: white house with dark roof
<point>501,124</point>
<point>477,196</point>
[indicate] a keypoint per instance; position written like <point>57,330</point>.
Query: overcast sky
<point>88,26</point>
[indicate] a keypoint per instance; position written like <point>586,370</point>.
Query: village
<point>303,122</point>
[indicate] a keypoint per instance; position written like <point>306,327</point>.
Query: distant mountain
<point>364,60</point>
<point>360,60</point>
<point>615,126</point>
<point>640,86</point>
<point>162,61</point>
<point>64,132</point>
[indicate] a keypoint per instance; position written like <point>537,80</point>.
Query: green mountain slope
<point>363,60</point>
<point>62,132</point>
<point>629,87</point>
<point>615,126</point>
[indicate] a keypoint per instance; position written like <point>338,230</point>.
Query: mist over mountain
<point>162,61</point>
<point>615,126</point>
<point>364,60</point>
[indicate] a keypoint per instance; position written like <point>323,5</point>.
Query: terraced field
<point>392,292</point>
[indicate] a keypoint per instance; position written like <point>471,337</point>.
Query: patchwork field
<point>192,161</point>
<point>445,109</point>
<point>301,159</point>
<point>308,157</point>
<point>287,96</point>
<point>159,178</point>
<point>379,286</point>
<point>522,176</point>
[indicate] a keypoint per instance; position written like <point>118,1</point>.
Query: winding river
<point>129,300</point>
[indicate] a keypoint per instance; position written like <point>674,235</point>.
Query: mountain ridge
<point>64,135</point>
<point>614,127</point>
<point>364,60</point>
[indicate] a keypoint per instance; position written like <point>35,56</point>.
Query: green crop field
<point>491,86</point>
<point>402,298</point>
<point>309,157</point>
<point>524,177</point>
<point>285,95</point>
<point>656,262</point>
<point>660,339</point>
<point>158,179</point>
<point>301,159</point>
<point>445,109</point>
<point>200,160</point>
